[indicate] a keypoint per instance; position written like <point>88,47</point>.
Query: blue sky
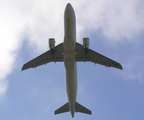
<point>115,29</point>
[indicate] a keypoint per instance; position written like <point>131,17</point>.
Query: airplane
<point>70,52</point>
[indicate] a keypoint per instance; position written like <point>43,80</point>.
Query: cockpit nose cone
<point>69,6</point>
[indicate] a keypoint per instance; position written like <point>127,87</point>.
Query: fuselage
<point>69,56</point>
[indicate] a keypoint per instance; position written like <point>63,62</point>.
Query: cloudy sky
<point>115,29</point>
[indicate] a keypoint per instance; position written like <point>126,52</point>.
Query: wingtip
<point>121,67</point>
<point>23,68</point>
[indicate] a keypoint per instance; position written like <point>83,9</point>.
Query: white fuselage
<point>69,56</point>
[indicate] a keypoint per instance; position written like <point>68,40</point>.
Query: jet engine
<point>86,43</point>
<point>51,43</point>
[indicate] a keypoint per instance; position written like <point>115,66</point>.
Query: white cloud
<point>117,19</point>
<point>41,19</point>
<point>10,27</point>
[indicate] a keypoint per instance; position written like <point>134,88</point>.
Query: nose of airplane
<point>69,12</point>
<point>69,7</point>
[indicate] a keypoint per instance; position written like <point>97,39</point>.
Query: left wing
<point>55,55</point>
<point>92,56</point>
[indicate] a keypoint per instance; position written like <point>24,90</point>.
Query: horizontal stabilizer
<point>64,108</point>
<point>82,109</point>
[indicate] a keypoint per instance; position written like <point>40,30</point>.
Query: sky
<point>115,29</point>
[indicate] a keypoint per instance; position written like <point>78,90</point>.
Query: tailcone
<point>72,110</point>
<point>72,114</point>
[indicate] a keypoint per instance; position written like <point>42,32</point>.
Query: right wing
<point>50,56</point>
<point>92,56</point>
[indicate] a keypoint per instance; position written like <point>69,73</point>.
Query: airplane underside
<point>70,52</point>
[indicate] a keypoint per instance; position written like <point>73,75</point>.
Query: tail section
<point>64,108</point>
<point>78,108</point>
<point>82,109</point>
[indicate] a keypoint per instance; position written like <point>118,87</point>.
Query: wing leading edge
<point>92,56</point>
<point>55,55</point>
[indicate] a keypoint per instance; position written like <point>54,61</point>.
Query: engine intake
<point>51,43</point>
<point>86,43</point>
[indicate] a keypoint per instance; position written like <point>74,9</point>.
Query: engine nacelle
<point>86,43</point>
<point>51,43</point>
